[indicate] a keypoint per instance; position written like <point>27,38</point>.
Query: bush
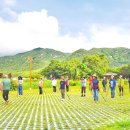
<point>74,83</point>
<point>14,85</point>
<point>47,83</point>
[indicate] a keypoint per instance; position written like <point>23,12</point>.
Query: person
<point>112,84</point>
<point>20,82</point>
<point>62,88</point>
<point>95,87</point>
<point>129,83</point>
<point>40,85</point>
<point>104,83</point>
<point>6,83</point>
<point>54,83</point>
<point>121,85</point>
<point>83,87</point>
<point>90,82</point>
<point>67,84</point>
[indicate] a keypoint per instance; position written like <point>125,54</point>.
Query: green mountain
<point>41,57</point>
<point>116,56</point>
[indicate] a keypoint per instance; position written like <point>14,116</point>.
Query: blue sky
<point>74,23</point>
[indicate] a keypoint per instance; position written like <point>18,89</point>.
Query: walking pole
<point>102,97</point>
<point>107,91</point>
<point>68,96</point>
<point>118,93</point>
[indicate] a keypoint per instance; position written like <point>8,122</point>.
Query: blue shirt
<point>95,84</point>
<point>112,83</point>
<point>62,84</point>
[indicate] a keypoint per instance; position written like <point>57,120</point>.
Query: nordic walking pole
<point>107,91</point>
<point>118,93</point>
<point>68,96</point>
<point>102,97</point>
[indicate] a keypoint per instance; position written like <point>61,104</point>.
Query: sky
<point>63,25</point>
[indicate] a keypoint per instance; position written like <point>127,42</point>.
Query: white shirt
<point>20,82</point>
<point>54,82</point>
<point>83,83</point>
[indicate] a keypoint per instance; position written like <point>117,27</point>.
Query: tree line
<point>75,68</point>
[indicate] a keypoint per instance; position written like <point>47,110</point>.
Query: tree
<point>55,69</point>
<point>125,70</point>
<point>96,63</point>
<point>84,71</point>
<point>58,68</point>
<point>73,67</point>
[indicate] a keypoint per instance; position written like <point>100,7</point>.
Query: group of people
<point>6,85</point>
<point>94,86</point>
<point>64,84</point>
<point>113,83</point>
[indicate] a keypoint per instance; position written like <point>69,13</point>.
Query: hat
<point>112,76</point>
<point>120,76</point>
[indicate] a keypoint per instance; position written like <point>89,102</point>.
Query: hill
<point>116,56</point>
<point>42,56</point>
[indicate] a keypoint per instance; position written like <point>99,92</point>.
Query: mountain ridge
<point>42,57</point>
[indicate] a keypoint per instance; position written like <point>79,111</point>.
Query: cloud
<point>37,29</point>
<point>109,36</point>
<point>7,8</point>
<point>34,29</point>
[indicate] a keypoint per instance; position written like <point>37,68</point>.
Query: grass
<point>122,125</point>
<point>47,111</point>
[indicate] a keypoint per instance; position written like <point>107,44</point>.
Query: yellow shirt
<point>121,82</point>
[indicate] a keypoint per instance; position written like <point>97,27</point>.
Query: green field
<point>47,112</point>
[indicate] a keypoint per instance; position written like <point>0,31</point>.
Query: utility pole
<point>30,64</point>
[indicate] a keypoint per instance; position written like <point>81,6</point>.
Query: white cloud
<point>37,29</point>
<point>34,29</point>
<point>109,37</point>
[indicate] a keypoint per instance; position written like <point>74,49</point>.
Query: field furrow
<point>47,112</point>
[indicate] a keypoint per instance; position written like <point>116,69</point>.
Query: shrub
<point>14,84</point>
<point>74,83</point>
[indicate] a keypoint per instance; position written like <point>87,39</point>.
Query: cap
<point>120,76</point>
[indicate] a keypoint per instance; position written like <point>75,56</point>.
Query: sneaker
<point>6,102</point>
<point>62,99</point>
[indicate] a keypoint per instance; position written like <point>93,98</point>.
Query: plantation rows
<point>38,112</point>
